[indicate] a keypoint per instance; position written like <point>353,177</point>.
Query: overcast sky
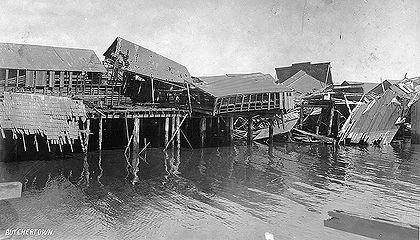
<point>364,39</point>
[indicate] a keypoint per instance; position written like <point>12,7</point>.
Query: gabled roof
<point>320,71</point>
<point>35,57</point>
<point>144,62</point>
<point>235,84</point>
<point>303,83</point>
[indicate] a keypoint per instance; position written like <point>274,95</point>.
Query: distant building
<point>305,78</point>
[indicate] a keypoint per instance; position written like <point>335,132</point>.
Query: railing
<point>254,102</point>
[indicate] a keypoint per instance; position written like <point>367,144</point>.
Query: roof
<point>319,71</point>
<point>35,57</point>
<point>234,84</point>
<point>367,86</point>
<point>302,82</point>
<point>142,61</point>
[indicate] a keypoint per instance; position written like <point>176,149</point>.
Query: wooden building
<point>243,94</point>
<point>48,70</point>
<point>146,76</point>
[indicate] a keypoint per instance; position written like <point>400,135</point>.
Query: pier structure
<point>234,97</point>
<point>134,99</point>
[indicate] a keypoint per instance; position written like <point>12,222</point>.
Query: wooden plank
<point>372,228</point>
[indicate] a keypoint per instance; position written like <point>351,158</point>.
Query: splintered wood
<point>56,118</point>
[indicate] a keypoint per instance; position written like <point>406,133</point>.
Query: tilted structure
<point>232,93</point>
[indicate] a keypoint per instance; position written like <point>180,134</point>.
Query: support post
<point>153,89</point>
<point>173,129</point>
<point>6,81</point>
<point>331,121</point>
<point>178,134</point>
<point>250,130</point>
<point>100,133</point>
<point>166,130</point>
<point>136,149</point>
<point>87,133</point>
<point>203,132</point>
<point>230,130</point>
<point>17,77</point>
<point>270,131</point>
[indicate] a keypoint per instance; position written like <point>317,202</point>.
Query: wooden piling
<point>250,130</point>
<point>100,133</point>
<point>230,130</point>
<point>136,137</point>
<point>331,121</point>
<point>87,133</point>
<point>173,129</point>
<point>166,130</point>
<point>203,132</point>
<point>178,133</point>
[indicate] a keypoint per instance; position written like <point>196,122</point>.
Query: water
<point>220,193</point>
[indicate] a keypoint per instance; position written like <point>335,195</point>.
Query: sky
<point>365,40</point>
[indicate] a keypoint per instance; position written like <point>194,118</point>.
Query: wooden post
<point>250,130</point>
<point>230,130</point>
<point>270,131</point>
<point>52,79</point>
<point>87,135</point>
<point>178,134</point>
<point>6,82</point>
<point>61,82</point>
<point>173,129</point>
<point>331,121</point>
<point>136,149</point>
<point>153,89</point>
<point>17,77</point>
<point>166,130</point>
<point>100,133</point>
<point>70,90</point>
<point>203,132</point>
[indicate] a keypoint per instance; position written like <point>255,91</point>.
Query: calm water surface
<point>220,193</point>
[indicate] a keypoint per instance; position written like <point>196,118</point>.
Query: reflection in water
<point>101,171</point>
<point>238,192</point>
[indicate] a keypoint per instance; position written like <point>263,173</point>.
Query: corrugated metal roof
<point>320,71</point>
<point>35,57</point>
<point>148,63</point>
<point>233,84</point>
